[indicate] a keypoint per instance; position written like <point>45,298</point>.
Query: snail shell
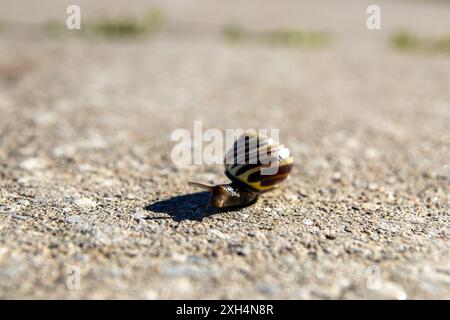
<point>258,162</point>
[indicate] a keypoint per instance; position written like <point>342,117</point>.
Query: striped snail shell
<point>254,164</point>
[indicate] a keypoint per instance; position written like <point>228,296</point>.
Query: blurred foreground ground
<point>86,178</point>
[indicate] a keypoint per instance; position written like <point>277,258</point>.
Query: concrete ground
<point>88,188</point>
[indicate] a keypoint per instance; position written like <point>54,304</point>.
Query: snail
<point>257,165</point>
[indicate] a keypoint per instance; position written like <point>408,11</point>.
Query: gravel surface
<point>87,183</point>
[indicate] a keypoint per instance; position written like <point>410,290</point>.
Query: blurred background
<point>85,123</point>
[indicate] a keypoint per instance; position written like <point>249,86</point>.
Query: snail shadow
<point>192,206</point>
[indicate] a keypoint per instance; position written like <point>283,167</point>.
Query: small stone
<point>20,217</point>
<point>330,235</point>
<point>390,197</point>
<point>74,219</point>
<point>138,215</point>
<point>26,180</point>
<point>3,251</point>
<point>53,245</point>
<point>86,168</point>
<point>267,288</point>
<point>337,177</point>
<point>390,290</point>
<point>219,234</point>
<point>308,222</point>
<point>107,182</point>
<point>176,257</point>
<point>290,197</point>
<point>23,202</point>
<point>85,203</point>
<point>244,251</point>
<point>32,164</point>
<point>374,236</point>
<point>177,271</point>
<point>197,260</point>
<point>64,151</point>
<point>183,286</point>
<point>371,153</point>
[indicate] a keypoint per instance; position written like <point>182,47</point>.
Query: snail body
<point>228,195</point>
<point>254,165</point>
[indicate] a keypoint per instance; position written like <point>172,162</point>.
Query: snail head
<point>220,194</point>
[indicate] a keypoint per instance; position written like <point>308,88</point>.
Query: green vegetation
<point>115,28</point>
<point>125,27</point>
<point>154,20</point>
<point>233,34</point>
<point>112,28</point>
<point>290,38</point>
<point>308,39</point>
<point>443,44</point>
<point>406,41</point>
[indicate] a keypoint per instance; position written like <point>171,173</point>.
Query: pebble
<point>290,197</point>
<point>371,153</point>
<point>337,177</point>
<point>374,236</point>
<point>183,286</point>
<point>64,151</point>
<point>74,219</point>
<point>139,215</point>
<point>107,182</point>
<point>176,257</point>
<point>19,217</point>
<point>85,203</point>
<point>218,234</point>
<point>197,260</point>
<point>23,202</point>
<point>32,164</point>
<point>176,271</point>
<point>391,290</point>
<point>3,251</point>
<point>331,235</point>
<point>267,288</point>
<point>244,251</point>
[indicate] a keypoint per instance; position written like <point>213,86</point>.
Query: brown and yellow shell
<point>257,162</point>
